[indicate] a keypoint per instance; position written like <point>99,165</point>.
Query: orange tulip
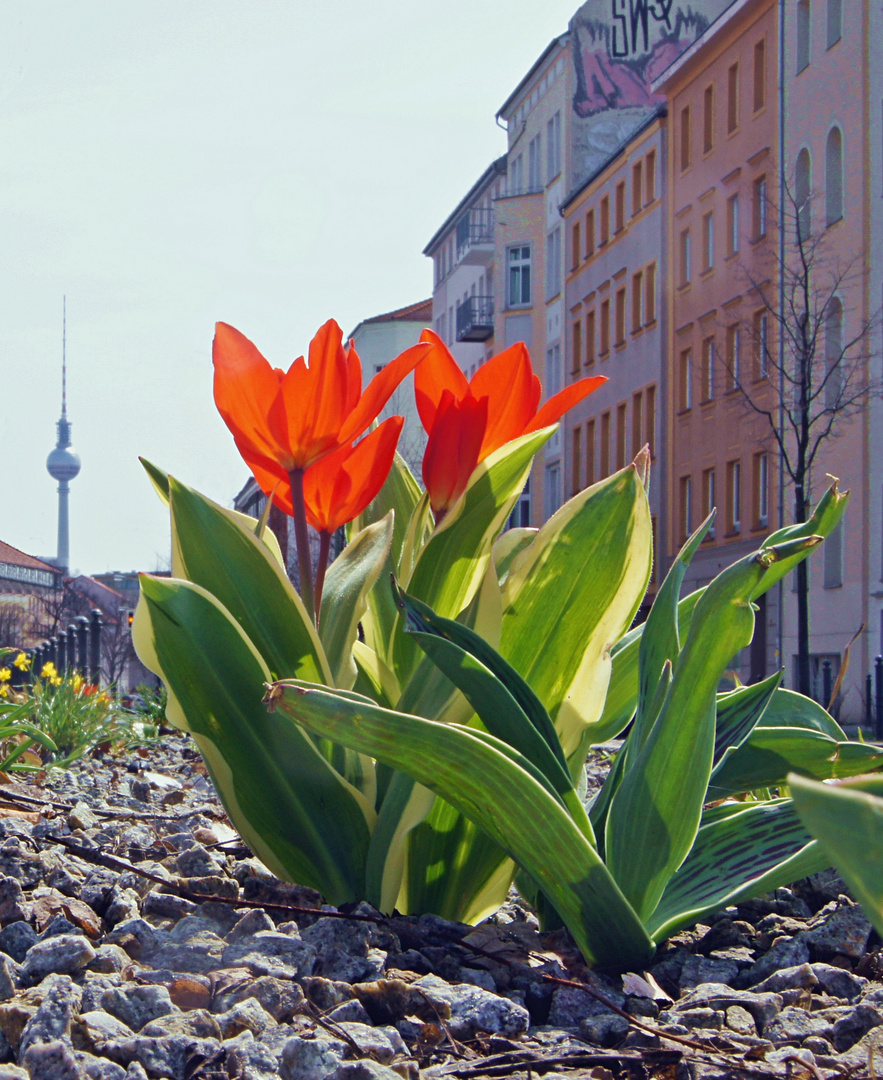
<point>468,420</point>
<point>283,421</point>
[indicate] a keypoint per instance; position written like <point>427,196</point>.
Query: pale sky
<point>166,165</point>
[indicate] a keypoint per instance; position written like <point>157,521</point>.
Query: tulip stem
<point>324,551</point>
<point>302,539</point>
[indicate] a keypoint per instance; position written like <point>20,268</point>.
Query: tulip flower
<point>468,420</point>
<point>286,423</point>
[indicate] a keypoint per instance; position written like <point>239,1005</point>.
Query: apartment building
<point>722,166</point>
<point>464,263</point>
<point>616,318</point>
<point>530,248</point>
<point>832,138</point>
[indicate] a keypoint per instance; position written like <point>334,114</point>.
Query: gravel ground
<point>139,938</point>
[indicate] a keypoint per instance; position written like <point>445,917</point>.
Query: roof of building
<point>496,168</point>
<point>658,111</point>
<point>419,312</point>
<point>538,63</point>
<point>14,557</point>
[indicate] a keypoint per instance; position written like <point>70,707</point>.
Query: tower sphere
<point>63,463</point>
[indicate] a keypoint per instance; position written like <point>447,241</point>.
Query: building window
<point>516,176</point>
<point>577,346</point>
<point>833,558</point>
<point>707,373</point>
<point>590,233</point>
<point>605,444</point>
<point>575,249</point>
<point>834,22</point>
<point>708,120</point>
<point>650,294</point>
<point>590,452</point>
<point>650,420</point>
<point>637,422</point>
<point>621,410</point>
<point>637,301</point>
<point>604,345</point>
<point>619,328</point>
<point>761,345</point>
<point>685,257</point>
<point>760,208</point>
<point>519,276</point>
<point>734,349</point>
<point>732,224</point>
<point>553,489</point>
<point>685,380</point>
<point>554,374</point>
<point>685,138</point>
<point>759,74</point>
<point>686,507</point>
<point>762,489</point>
<point>803,194</point>
<point>732,98</point>
<point>553,147</point>
<point>534,181</point>
<point>637,187</point>
<point>734,497</point>
<point>650,176</point>
<point>833,353</point>
<point>619,222</point>
<point>605,220</point>
<point>802,35</point>
<point>576,462</point>
<point>590,338</point>
<point>553,264</point>
<point>708,498</point>
<point>834,176</point>
<point>708,241</point>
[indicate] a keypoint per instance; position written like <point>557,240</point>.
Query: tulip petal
<point>270,476</point>
<point>245,387</point>
<point>379,391</point>
<point>453,447</point>
<point>513,392</point>
<point>438,372</point>
<point>339,487</point>
<point>558,405</point>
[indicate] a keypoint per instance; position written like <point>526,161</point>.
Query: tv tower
<point>63,464</point>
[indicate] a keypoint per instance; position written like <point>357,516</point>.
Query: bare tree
<point>821,378</point>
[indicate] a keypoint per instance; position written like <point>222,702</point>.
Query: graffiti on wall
<point>619,48</point>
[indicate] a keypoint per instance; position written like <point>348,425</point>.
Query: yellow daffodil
<point>77,682</point>
<point>48,671</point>
<point>5,674</point>
<point>4,690</point>
<point>22,661</point>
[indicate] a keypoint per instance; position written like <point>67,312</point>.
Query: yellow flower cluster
<point>22,662</point>
<point>50,672</point>
<point>5,674</point>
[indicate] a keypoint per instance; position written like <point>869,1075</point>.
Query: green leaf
<point>400,494</point>
<point>790,709</point>
<point>739,711</point>
<point>769,754</point>
<point>824,519</point>
<point>655,813</point>
<point>508,545</point>
<point>299,816</point>
<point>749,849</point>
<point>349,581</point>
<point>489,783</point>
<point>159,478</point>
<point>219,553</point>
<point>848,824</point>
<point>570,594</point>
<point>450,568</point>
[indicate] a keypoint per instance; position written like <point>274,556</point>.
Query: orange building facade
<point>722,169</point>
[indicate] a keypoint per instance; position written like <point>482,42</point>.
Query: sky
<point>165,166</point>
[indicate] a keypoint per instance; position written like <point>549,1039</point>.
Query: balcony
<point>475,319</point>
<point>475,238</point>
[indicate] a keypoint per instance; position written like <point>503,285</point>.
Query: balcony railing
<point>475,236</point>
<point>475,319</point>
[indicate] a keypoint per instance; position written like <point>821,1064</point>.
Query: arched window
<point>833,349</point>
<point>802,189</point>
<point>834,176</point>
